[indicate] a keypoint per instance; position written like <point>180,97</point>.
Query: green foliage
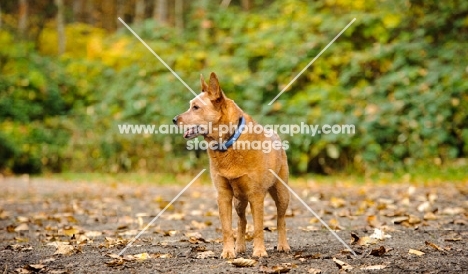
<point>36,95</point>
<point>399,74</point>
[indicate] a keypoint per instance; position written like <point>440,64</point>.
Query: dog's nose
<point>174,120</point>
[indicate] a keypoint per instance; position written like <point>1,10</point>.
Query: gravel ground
<point>49,226</point>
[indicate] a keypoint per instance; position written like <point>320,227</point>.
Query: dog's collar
<point>235,136</point>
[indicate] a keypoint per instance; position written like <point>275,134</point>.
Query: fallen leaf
<point>274,269</point>
<point>195,240</point>
<point>4,214</point>
<point>205,254</point>
<point>22,271</point>
<point>169,233</point>
<point>460,222</point>
<point>355,238</point>
<point>424,206</point>
<point>411,190</point>
<point>199,248</point>
<point>10,228</point>
<point>335,224</point>
<point>63,248</point>
<point>412,219</point>
<point>162,256</point>
<point>175,216</point>
<point>415,252</point>
<point>314,271</point>
<point>195,234</point>
<point>122,227</point>
<point>198,225</point>
<point>299,255</point>
<point>374,267</point>
<point>336,202</point>
<point>35,267</point>
<point>241,262</point>
<point>379,234</point>
<point>22,227</point>
<point>112,242</point>
<point>59,271</point>
<point>129,258</point>
<point>22,219</point>
<point>399,220</point>
<point>131,232</point>
<point>69,231</point>
<point>365,241</point>
<point>342,265</point>
<point>362,241</point>
<point>93,234</point>
<point>453,239</point>
<point>21,239</point>
<point>373,221</point>
<point>48,260</point>
<point>82,239</point>
<point>18,247</point>
<point>453,211</point>
<point>436,247</point>
<point>141,256</point>
<point>115,262</point>
<point>348,252</point>
<point>379,252</point>
<point>429,216</point>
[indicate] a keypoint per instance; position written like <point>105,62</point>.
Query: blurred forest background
<point>70,72</point>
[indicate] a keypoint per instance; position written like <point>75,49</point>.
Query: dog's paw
<point>284,248</point>
<point>260,252</point>
<point>240,248</point>
<point>228,254</point>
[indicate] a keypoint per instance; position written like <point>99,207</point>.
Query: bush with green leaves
<point>399,74</point>
<point>38,100</point>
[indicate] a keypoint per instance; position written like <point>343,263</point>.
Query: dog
<point>239,175</point>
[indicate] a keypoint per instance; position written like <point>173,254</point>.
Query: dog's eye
<point>195,107</point>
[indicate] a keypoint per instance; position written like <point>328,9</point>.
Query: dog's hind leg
<point>240,206</point>
<point>280,195</point>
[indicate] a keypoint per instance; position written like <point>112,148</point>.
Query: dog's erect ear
<point>214,91</point>
<point>204,86</point>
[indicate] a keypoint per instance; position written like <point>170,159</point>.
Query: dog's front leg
<point>225,196</point>
<point>256,205</point>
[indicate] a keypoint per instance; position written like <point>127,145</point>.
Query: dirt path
<point>63,227</point>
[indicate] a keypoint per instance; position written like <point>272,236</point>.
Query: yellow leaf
<point>416,252</point>
<point>391,20</point>
<point>22,227</point>
<point>241,262</point>
<point>141,256</point>
<point>69,231</point>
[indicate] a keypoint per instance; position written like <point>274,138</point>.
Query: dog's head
<point>204,111</point>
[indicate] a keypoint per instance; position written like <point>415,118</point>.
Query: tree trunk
<point>160,12</point>
<point>246,5</point>
<point>225,3</point>
<point>90,12</point>
<point>0,16</point>
<point>121,12</point>
<point>139,11</point>
<point>179,14</point>
<point>77,10</point>
<point>204,22</point>
<point>61,37</point>
<point>23,17</point>
<point>108,14</point>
